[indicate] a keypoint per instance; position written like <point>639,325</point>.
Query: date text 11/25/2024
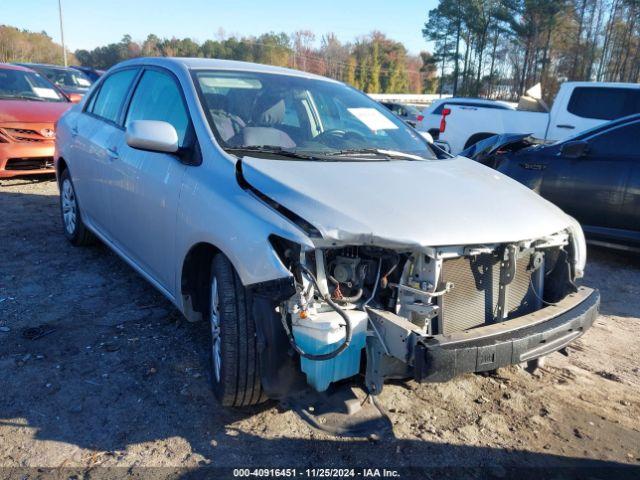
<point>316,472</point>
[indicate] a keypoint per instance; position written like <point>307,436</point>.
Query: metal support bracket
<point>507,273</point>
<point>390,350</point>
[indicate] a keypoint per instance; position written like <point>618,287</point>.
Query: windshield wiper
<point>274,150</point>
<point>375,151</point>
<point>22,97</point>
<point>321,156</point>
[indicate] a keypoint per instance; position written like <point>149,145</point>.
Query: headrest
<point>270,111</point>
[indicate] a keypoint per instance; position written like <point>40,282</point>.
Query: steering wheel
<point>337,137</point>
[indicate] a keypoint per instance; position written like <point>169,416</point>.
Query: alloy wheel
<point>216,344</point>
<point>69,207</point>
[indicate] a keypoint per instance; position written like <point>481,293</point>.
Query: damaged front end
<point>387,296</point>
<point>430,313</point>
<point>490,151</point>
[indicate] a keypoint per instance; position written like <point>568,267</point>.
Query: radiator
<point>473,300</point>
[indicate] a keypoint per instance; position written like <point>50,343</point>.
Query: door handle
<point>113,153</point>
<point>533,166</point>
<point>74,131</point>
<point>570,127</point>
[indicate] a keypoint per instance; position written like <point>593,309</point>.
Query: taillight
<point>443,120</point>
<point>420,117</point>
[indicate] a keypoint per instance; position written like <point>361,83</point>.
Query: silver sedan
<point>319,235</point>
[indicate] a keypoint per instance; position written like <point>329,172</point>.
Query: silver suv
<point>319,235</point>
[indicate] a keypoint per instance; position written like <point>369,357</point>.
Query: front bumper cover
<point>442,357</point>
<point>25,152</point>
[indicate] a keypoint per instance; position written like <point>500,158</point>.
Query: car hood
<point>29,111</point>
<point>406,203</point>
<point>79,90</point>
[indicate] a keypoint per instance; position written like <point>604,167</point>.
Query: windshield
<point>309,117</point>
<point>413,110</point>
<point>21,85</point>
<point>68,78</point>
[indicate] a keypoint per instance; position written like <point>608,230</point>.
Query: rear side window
<point>604,103</point>
<point>112,93</point>
<point>157,97</point>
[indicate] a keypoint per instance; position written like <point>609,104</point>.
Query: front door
<point>593,188</point>
<point>146,185</point>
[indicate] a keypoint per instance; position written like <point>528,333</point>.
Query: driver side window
<point>620,142</point>
<point>158,97</point>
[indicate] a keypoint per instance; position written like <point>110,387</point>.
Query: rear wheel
<point>74,228</point>
<point>235,372</point>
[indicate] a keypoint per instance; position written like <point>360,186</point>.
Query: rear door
<point>146,185</point>
<point>588,107</point>
<point>95,132</point>
<point>593,188</point>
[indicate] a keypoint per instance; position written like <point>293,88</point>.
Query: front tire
<point>74,228</point>
<point>235,369</point>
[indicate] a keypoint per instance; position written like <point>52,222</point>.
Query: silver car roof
<point>217,64</point>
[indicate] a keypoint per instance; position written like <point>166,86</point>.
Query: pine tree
<point>351,73</point>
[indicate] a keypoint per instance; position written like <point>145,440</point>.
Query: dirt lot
<point>119,379</point>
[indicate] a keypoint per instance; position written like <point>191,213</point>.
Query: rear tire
<point>74,228</point>
<point>235,372</point>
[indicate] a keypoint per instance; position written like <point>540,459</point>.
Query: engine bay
<point>427,293</point>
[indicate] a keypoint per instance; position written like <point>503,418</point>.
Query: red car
<point>29,107</point>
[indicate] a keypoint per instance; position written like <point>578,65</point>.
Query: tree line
<point>24,46</point>
<point>499,48</point>
<point>488,48</point>
<point>373,63</point>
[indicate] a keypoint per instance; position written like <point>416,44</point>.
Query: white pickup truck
<point>578,106</point>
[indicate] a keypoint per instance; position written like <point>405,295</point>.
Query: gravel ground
<point>120,380</point>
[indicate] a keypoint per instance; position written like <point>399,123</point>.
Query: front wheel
<point>235,371</point>
<point>74,228</point>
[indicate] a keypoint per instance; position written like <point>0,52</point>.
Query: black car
<point>593,176</point>
<point>93,73</point>
<point>69,80</point>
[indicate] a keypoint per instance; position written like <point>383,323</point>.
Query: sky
<point>91,23</point>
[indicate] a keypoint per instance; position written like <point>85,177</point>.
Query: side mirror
<point>574,149</point>
<point>152,135</point>
<point>74,97</point>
